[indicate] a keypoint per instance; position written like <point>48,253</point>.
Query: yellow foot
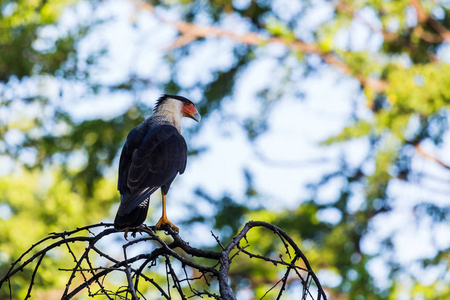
<point>163,222</point>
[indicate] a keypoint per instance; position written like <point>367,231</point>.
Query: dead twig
<point>175,279</point>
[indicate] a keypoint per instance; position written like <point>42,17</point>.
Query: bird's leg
<point>164,221</point>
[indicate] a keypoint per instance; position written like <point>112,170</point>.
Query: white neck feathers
<point>171,109</point>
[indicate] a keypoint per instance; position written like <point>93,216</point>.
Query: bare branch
<point>190,32</point>
<point>423,17</point>
<point>34,276</point>
<point>217,240</point>
<point>176,279</point>
<point>431,157</point>
<point>128,272</point>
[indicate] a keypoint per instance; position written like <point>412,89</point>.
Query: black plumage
<point>153,154</point>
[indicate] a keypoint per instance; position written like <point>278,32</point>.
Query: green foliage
<point>19,23</point>
<point>408,105</point>
<point>359,129</point>
<point>421,89</point>
<point>41,203</point>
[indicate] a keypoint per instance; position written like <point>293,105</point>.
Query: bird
<point>154,153</point>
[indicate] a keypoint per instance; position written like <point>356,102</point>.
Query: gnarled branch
<point>189,271</point>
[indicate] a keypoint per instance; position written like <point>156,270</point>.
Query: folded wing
<point>151,158</point>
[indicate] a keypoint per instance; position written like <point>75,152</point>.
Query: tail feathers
<point>131,201</point>
<point>134,218</point>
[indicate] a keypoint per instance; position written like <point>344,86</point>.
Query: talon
<point>165,222</point>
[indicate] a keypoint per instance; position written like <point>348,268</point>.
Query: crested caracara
<point>154,153</point>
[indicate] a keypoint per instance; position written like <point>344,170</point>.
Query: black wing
<point>150,159</point>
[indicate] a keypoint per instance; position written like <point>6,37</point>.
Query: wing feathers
<point>151,158</point>
<point>159,158</point>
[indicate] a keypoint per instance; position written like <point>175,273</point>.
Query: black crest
<point>164,97</point>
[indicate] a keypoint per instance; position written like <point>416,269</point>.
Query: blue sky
<point>296,128</point>
<point>137,43</point>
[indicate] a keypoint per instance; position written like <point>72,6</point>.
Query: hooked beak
<point>190,111</point>
<point>196,117</point>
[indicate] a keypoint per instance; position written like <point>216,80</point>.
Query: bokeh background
<point>329,119</point>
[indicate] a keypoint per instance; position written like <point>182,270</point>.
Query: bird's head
<point>172,104</point>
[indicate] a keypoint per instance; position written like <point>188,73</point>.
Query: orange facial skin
<point>190,111</point>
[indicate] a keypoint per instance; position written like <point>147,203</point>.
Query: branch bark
<point>176,250</point>
<point>431,157</point>
<point>190,32</point>
<point>423,17</point>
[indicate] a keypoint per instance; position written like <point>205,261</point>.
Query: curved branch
<point>424,17</point>
<point>167,253</point>
<point>190,32</point>
<point>431,157</point>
